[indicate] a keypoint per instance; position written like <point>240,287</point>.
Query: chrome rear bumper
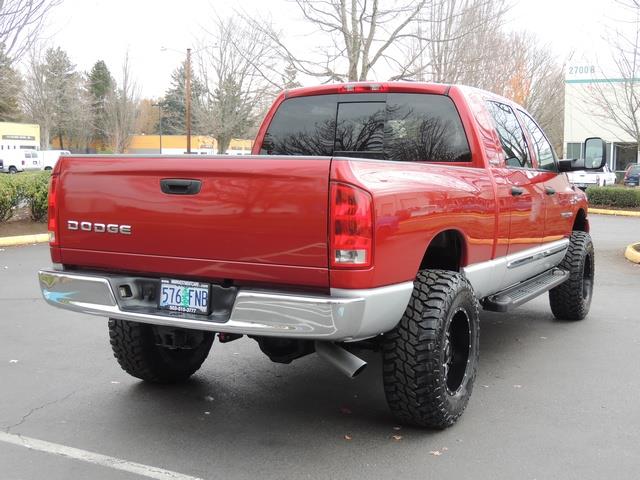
<point>344,315</point>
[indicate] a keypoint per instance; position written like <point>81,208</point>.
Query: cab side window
<point>424,128</point>
<point>544,152</point>
<point>511,135</point>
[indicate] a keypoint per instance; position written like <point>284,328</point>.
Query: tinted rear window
<point>406,127</point>
<point>302,126</point>
<point>360,130</point>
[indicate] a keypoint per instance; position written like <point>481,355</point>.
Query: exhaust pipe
<point>343,360</point>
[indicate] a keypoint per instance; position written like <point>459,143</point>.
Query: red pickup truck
<point>370,215</point>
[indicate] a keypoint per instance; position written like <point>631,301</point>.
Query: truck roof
<point>368,87</point>
<point>390,87</point>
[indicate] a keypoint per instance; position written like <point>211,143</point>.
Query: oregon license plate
<point>184,296</point>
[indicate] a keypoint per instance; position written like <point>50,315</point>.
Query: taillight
<point>350,227</point>
<point>52,211</point>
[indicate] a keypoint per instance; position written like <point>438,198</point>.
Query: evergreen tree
<point>10,89</point>
<point>80,128</point>
<point>232,114</point>
<point>100,85</point>
<point>174,107</point>
<point>62,83</point>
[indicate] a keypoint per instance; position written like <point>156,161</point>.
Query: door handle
<point>180,186</point>
<point>517,191</point>
<point>549,190</point>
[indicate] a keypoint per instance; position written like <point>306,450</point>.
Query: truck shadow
<point>242,397</point>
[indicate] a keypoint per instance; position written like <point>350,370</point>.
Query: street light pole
<point>159,105</point>
<point>187,100</point>
<point>187,91</point>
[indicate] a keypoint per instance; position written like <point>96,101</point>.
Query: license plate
<point>184,296</point>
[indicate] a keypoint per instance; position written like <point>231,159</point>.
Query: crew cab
<point>369,215</point>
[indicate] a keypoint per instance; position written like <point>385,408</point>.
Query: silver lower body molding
<point>344,315</point>
<point>500,273</point>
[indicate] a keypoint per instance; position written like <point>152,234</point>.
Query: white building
<point>583,119</point>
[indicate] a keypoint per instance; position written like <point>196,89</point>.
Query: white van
<point>14,161</point>
<point>49,158</point>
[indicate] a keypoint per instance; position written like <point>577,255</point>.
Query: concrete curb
<point>623,213</point>
<point>633,253</point>
<point>24,240</point>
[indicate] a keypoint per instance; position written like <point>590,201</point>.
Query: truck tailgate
<point>250,212</point>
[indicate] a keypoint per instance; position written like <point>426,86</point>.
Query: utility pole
<point>187,100</point>
<point>159,105</point>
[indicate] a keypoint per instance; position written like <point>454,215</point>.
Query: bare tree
<point>147,122</point>
<point>37,98</point>
<point>21,23</point>
<point>616,100</point>
<point>121,110</point>
<point>353,36</point>
<point>536,82</point>
<point>455,41</point>
<point>235,72</point>
<point>465,41</point>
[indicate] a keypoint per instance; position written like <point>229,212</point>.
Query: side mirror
<point>595,157</point>
<point>595,153</point>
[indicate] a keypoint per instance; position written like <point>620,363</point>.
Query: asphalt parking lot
<point>553,400</point>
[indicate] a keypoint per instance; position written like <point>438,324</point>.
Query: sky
<point>90,30</point>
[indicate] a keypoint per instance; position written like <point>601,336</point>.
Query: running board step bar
<point>521,293</point>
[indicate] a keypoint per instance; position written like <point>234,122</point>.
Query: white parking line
<point>91,457</point>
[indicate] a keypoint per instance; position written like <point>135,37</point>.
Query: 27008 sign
<point>184,296</point>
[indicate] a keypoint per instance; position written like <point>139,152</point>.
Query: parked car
<point>18,160</point>
<point>590,178</point>
<point>371,215</point>
<point>50,157</point>
<point>632,175</point>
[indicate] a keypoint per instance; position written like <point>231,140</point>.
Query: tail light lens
<point>350,227</point>
<point>364,88</point>
<point>52,211</point>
